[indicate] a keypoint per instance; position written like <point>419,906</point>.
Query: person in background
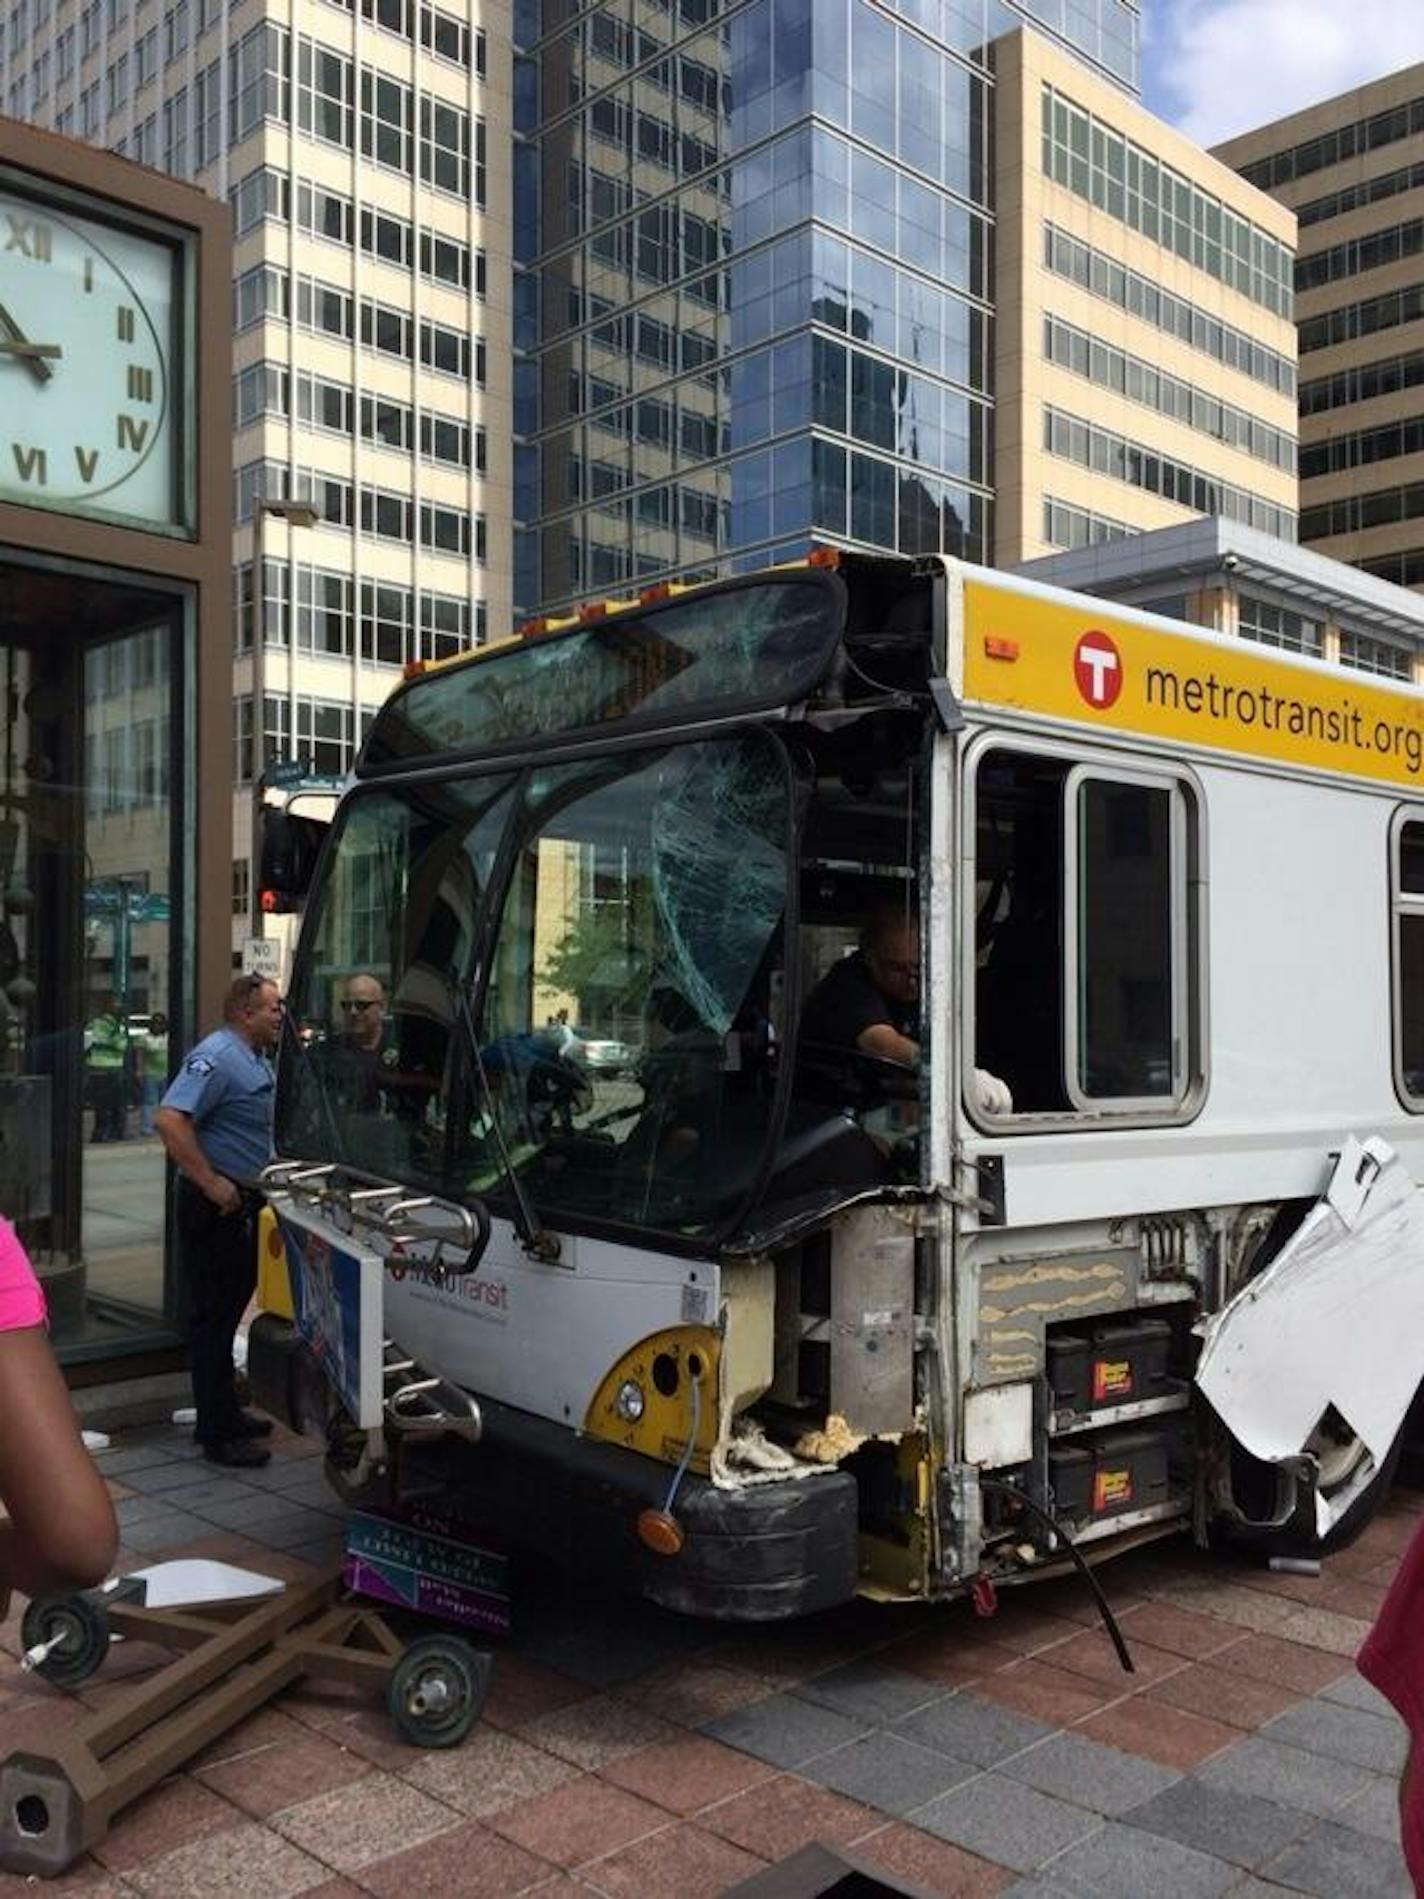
<point>216,1123</point>
<point>153,1073</point>
<point>58,1532</point>
<point>105,1053</point>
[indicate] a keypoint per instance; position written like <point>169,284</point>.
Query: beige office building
<point>1145,352</point>
<point>364,148</point>
<point>1352,170</point>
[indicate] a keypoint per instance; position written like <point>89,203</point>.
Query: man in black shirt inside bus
<point>870,1002</point>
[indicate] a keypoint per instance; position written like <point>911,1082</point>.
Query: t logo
<point>1097,667</point>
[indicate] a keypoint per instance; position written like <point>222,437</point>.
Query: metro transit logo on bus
<point>1097,667</point>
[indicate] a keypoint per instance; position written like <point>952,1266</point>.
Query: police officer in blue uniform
<point>216,1123</point>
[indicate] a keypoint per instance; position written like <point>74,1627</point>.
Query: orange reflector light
<point>660,1531</point>
<point>593,610</point>
<point>528,628</point>
<point>412,669</point>
<point>824,557</point>
<point>660,590</point>
<point>997,648</point>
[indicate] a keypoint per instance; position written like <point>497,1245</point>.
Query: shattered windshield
<point>629,1021</point>
<point>628,1028</point>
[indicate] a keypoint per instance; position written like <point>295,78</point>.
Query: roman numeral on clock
<point>126,323</point>
<point>132,434</point>
<point>29,237</point>
<point>140,383</point>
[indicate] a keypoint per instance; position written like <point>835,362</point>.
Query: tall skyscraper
<point>1352,170</point>
<point>364,148</point>
<point>759,253</point>
<point>754,277</point>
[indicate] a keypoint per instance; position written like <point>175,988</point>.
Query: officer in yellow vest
<point>105,1049</point>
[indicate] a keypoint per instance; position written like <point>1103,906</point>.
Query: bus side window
<point>1018,1009</point>
<point>1083,935</point>
<point>1408,905</point>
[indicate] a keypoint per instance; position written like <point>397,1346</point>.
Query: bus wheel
<point>437,1690</point>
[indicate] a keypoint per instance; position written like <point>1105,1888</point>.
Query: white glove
<point>990,1095</point>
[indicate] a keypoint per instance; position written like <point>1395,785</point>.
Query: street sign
<point>262,956</point>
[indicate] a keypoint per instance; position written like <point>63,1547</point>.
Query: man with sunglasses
<point>355,1055</point>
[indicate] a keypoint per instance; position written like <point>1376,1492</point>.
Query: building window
<point>1141,467</point>
<point>1272,625</point>
<point>145,57</point>
<point>1369,655</point>
<point>242,883</point>
<point>1096,162</point>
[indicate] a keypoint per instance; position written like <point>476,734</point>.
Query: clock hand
<point>16,343</point>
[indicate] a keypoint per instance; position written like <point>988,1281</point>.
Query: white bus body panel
<point>543,1337</point>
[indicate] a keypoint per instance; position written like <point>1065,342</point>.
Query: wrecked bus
<point>591,1241</point>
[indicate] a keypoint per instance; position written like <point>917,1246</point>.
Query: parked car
<point>599,1054</point>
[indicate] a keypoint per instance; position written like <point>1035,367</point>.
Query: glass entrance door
<point>89,952</point>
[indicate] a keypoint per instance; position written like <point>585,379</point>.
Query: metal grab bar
<point>432,1407</point>
<point>382,1210</point>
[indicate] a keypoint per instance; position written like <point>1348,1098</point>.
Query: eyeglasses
<point>360,1007</point>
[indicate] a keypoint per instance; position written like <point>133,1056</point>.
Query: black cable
<point>1045,1516</point>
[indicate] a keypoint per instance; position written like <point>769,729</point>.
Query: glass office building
<point>754,276</point>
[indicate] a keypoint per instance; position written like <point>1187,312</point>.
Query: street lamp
<point>297,514</point>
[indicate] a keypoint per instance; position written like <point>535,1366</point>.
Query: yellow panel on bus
<point>1098,667</point>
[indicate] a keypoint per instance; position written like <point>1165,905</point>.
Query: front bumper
<point>761,1554</point>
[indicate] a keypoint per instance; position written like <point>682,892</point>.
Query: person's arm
<point>180,1138</point>
<point>59,1531</point>
<point>888,1045</point>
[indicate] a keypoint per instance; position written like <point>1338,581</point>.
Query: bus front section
<point>591,948</point>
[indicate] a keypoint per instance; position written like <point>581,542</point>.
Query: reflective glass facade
<point>753,297</point>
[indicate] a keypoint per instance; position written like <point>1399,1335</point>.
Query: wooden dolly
<point>57,1800</point>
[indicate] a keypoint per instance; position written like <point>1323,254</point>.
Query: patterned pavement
<point>626,1752</point>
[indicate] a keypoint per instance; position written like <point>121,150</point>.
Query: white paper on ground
<point>185,1414</point>
<point>95,1440</point>
<point>192,1579</point>
<point>1337,1318</point>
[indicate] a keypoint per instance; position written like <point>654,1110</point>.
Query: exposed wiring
<point>687,1448</point>
<point>1046,1517</point>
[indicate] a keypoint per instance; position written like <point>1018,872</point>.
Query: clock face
<point>87,392</point>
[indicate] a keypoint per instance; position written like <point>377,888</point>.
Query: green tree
<point>597,962</point>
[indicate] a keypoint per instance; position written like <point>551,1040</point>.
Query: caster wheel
<point>437,1689</point>
<point>76,1632</point>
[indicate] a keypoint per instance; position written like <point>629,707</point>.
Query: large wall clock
<point>91,372</point>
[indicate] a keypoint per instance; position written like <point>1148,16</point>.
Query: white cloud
<point>1219,67</point>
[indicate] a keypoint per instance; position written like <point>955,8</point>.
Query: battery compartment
<point>1118,1369</point>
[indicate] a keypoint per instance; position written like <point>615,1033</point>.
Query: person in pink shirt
<point>58,1531</point>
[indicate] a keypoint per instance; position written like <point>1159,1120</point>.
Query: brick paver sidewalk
<point>627,1753</point>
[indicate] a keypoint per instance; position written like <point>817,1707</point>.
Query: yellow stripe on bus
<point>1085,664</point>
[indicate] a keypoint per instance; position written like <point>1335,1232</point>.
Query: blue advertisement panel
<point>336,1307</point>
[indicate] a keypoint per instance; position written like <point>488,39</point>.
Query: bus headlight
<point>628,1401</point>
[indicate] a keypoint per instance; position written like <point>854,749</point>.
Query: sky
<point>1218,67</point>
